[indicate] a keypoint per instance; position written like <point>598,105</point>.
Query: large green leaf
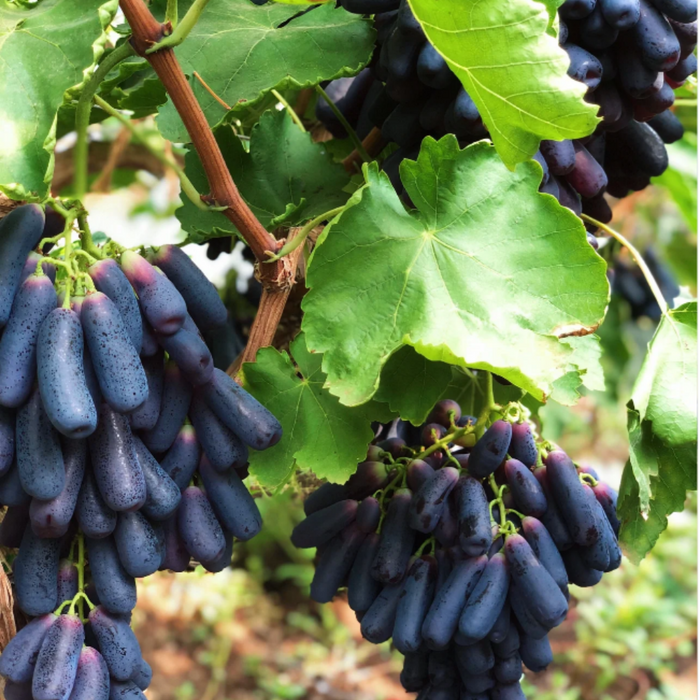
<point>285,178</point>
<point>320,434</point>
<point>487,273</point>
<point>513,68</point>
<point>242,51</point>
<point>662,422</point>
<point>585,369</point>
<point>45,49</point>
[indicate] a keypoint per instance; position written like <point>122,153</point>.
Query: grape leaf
<point>45,50</point>
<point>513,69</point>
<point>662,424</point>
<point>285,178</point>
<point>585,370</point>
<point>242,51</point>
<point>320,434</point>
<point>486,273</point>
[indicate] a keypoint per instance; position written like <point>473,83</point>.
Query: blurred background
<point>251,632</point>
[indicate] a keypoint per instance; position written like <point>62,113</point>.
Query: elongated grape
<point>442,671</point>
<point>395,541</point>
<point>510,643</point>
<point>546,551</point>
<point>223,448</point>
<point>576,9</point>
<point>584,67</point>
<point>67,586</point>
<point>127,690</point>
<point>522,442</point>
<point>414,601</point>
<point>138,544</point>
<point>508,691</point>
<point>117,364</point>
<point>443,617</point>
<point>378,622</point>
<point>18,691</point>
<point>13,525</point>
<point>595,32</point>
<point>92,677</point>
<point>240,412</point>
<point>115,587</point>
<point>490,450</point>
<point>474,659</point>
<point>687,34</point>
<point>146,415</point>
<point>177,558</point>
<point>486,600</point>
<point>327,494</point>
<point>607,497</point>
<point>362,588</point>
<point>39,457</point>
<point>163,494</point>
<point>181,460</point>
<point>115,462</point>
<point>116,642</point>
<point>95,518</point>
<point>682,71</point>
<point>655,38</point>
<point>526,619</point>
<point>536,654</point>
<point>499,631</point>
<point>203,301</point>
<point>575,508</point>
<point>190,353</point>
<point>198,526</point>
<point>7,439</point>
<point>110,280</point>
<point>30,265</point>
<point>19,656</point>
<point>223,561</point>
<point>446,531</point>
<point>578,572</point>
<point>414,674</point>
<point>323,525</point>
<point>162,305</point>
<point>335,563</point>
<point>432,68</point>
<point>368,478</point>
<point>34,301</point>
<point>621,14</point>
<point>57,663</point>
<point>20,231</point>
<point>149,344</point>
<point>636,79</point>
<point>480,683</point>
<point>544,598</point>
<point>369,514</point>
<point>428,503</point>
<point>678,10</point>
<point>234,506</point>
<point>473,515</point>
<point>527,492</point>
<point>588,177</point>
<point>551,519</point>
<point>143,675</point>
<point>11,492</point>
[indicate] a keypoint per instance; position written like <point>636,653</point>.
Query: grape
<point>20,231</point>
<point>576,9</point>
<point>478,683</point>
<point>462,117</point>
<point>635,78</point>
<point>442,671</point>
<point>362,588</point>
<point>428,503</point>
<point>92,677</point>
<point>511,691</point>
<point>95,518</point>
<point>490,450</point>
<point>509,644</point>
<point>414,602</point>
<point>203,301</point>
<point>115,587</point>
<point>432,68</point>
<point>526,619</point>
<point>13,525</point>
<point>67,581</point>
<point>546,551</point>
<point>115,462</point>
<point>163,494</point>
<point>181,460</point>
<point>414,674</point>
<point>486,600</point>
<point>190,353</point>
<point>583,66</point>
<point>378,622</point>
<point>403,125</point>
<point>143,675</point>
<point>588,177</point>
<point>536,654</point>
<point>446,531</point>
<point>125,691</point>
<point>335,562</point>
<point>149,344</point>
<point>678,10</point>
<point>560,157</point>
<point>607,497</point>
<point>551,519</point>
<point>474,659</point>
<point>241,413</point>
<point>39,458</point>
<point>369,514</point>
<point>369,477</point>
<point>683,70</point>
<point>11,492</point>
<point>431,117</point>
<point>234,506</point>
<point>7,439</point>
<point>544,598</point>
<point>51,518</point>
<point>325,496</point>
<point>161,304</point>
<point>19,656</point>
<point>595,33</point>
<point>138,544</point>
<point>621,14</point>
<point>198,527</point>
<point>175,403</point>
<point>580,574</point>
<point>117,365</point>
<point>30,265</point>
<point>598,208</point>
<point>116,642</point>
<point>499,632</point>
<point>522,443</point>
<point>18,691</point>
<point>395,541</point>
<point>111,281</point>
<point>526,490</point>
<point>32,304</point>
<point>177,558</point>
<point>221,446</point>
<point>57,663</point>
<point>508,670</point>
<point>325,524</point>
<point>608,538</point>
<point>224,559</point>
<point>473,515</point>
<point>443,617</point>
<point>654,104</point>
<point>655,39</point>
<point>145,417</point>
<point>687,35</point>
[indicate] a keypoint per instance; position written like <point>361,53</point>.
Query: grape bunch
<point>630,54</point>
<point>461,550</point>
<point>122,448</point>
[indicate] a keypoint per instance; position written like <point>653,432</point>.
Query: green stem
<point>445,441</point>
<point>499,500</point>
<point>430,542</point>
<point>489,405</point>
<point>588,479</point>
<point>90,259</point>
<point>290,110</point>
<point>82,115</point>
<point>171,13</point>
<point>346,125</point>
<point>187,187</point>
<point>292,245</point>
<point>638,258</point>
<point>86,242</point>
<point>184,27</point>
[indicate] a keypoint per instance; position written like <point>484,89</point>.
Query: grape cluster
<point>630,54</point>
<point>461,550</point>
<point>122,447</point>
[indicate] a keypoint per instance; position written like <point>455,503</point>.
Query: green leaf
<point>45,50</point>
<point>285,178</point>
<point>242,51</point>
<point>585,370</point>
<point>513,69</point>
<point>662,423</point>
<point>486,274</point>
<point>320,434</point>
